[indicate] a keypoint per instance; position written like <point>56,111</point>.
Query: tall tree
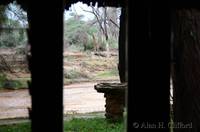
<point>107,20</point>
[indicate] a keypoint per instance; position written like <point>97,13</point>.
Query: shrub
<point>12,38</point>
<point>75,74</point>
<point>75,48</point>
<point>12,84</point>
<point>113,42</point>
<point>3,78</point>
<point>89,45</point>
<point>77,33</point>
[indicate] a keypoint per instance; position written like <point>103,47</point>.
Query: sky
<point>79,9</point>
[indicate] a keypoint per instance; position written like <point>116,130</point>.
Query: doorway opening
<point>91,36</point>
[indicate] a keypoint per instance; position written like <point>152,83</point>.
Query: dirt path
<point>82,98</point>
<point>78,98</point>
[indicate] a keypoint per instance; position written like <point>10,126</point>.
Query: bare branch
<point>20,16</point>
<point>114,23</point>
<point>105,27</point>
<point>92,23</point>
<point>99,21</point>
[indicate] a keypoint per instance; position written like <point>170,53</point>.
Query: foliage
<point>110,73</point>
<point>89,45</point>
<point>75,74</point>
<point>2,14</point>
<point>78,33</point>
<point>3,78</point>
<point>13,84</point>
<point>113,42</point>
<point>96,34</point>
<point>75,48</point>
<point>12,38</point>
<point>8,36</point>
<point>72,30</point>
<point>6,83</point>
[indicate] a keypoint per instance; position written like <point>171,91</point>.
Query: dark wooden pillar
<point>149,72</point>
<point>186,69</point>
<point>46,64</point>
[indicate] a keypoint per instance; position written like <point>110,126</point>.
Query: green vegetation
<point>75,74</point>
<point>12,38</point>
<point>74,125</point>
<point>12,83</point>
<point>77,35</point>
<point>104,74</point>
<point>93,125</point>
<point>2,14</point>
<point>82,36</point>
<point>2,79</point>
<point>23,127</point>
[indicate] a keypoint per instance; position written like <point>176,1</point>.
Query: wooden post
<point>148,90</point>
<point>122,50</point>
<point>46,64</point>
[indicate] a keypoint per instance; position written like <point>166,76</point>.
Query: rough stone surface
<point>115,99</point>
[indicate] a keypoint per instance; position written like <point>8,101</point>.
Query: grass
<point>75,74</point>
<point>107,73</point>
<point>75,48</point>
<point>92,125</point>
<point>74,125</point>
<point>71,77</point>
<point>23,127</point>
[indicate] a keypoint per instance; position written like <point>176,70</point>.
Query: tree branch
<point>20,16</point>
<point>93,12</point>
<point>114,23</point>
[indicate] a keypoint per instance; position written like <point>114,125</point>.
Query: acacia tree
<point>106,18</point>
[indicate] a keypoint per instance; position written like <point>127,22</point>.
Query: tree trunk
<point>106,32</point>
<point>186,70</point>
